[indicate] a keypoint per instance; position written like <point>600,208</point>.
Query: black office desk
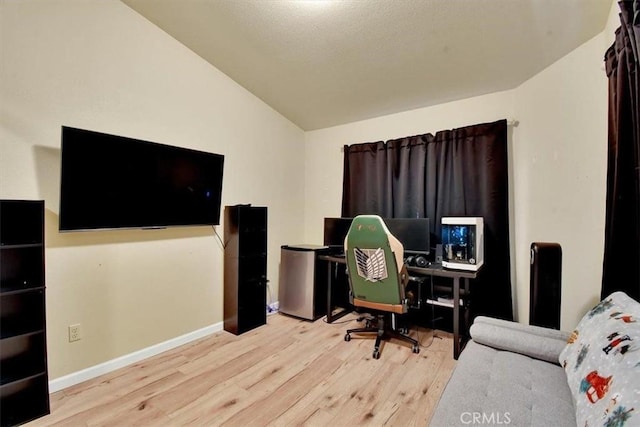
<point>433,270</point>
<point>439,271</point>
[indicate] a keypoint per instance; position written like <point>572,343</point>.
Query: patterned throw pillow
<point>602,363</point>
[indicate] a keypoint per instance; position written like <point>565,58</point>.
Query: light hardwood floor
<point>286,373</point>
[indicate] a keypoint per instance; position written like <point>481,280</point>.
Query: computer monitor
<point>413,233</point>
<point>335,230</point>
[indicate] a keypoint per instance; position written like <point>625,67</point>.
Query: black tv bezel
<point>68,226</point>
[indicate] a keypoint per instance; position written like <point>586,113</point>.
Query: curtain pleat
<point>366,180</point>
<point>408,154</point>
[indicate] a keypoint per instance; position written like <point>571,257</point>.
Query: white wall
<point>99,65</point>
<point>557,171</point>
<point>560,180</point>
<point>561,164</point>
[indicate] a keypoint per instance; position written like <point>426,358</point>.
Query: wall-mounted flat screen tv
<point>111,182</point>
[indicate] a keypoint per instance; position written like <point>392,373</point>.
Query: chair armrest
<point>533,341</point>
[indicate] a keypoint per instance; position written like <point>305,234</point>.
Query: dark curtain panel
<point>366,181</point>
<point>621,266</point>
<point>461,172</point>
<point>409,154</point>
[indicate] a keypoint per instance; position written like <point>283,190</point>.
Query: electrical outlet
<point>74,332</point>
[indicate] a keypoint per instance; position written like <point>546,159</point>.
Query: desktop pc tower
<point>462,243</point>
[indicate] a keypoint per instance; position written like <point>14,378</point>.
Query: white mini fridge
<point>302,288</point>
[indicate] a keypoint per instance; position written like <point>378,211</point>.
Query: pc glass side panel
<point>462,242</point>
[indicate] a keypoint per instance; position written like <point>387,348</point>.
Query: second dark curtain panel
<point>621,265</point>
<point>460,172</point>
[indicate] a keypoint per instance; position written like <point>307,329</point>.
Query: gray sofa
<point>508,374</point>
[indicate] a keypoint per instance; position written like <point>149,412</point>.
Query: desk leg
<point>467,307</point>
<point>329,297</point>
<point>330,276</point>
<point>456,317</point>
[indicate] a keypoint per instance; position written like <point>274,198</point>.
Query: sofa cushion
<point>495,387</point>
<point>533,341</point>
<point>602,363</point>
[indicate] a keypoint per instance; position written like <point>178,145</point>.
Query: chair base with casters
<point>382,331</point>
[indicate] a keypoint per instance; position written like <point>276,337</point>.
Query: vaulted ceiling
<point>322,63</point>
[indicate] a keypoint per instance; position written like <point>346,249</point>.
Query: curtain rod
<point>510,122</point>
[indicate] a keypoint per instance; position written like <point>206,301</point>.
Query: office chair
<point>377,278</point>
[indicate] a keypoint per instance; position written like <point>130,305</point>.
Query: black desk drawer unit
<point>24,382</point>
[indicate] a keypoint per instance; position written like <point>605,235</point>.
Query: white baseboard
<point>128,359</point>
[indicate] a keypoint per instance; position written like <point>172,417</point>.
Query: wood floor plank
<point>265,410</point>
<point>288,372</point>
<point>215,407</point>
<point>134,382</point>
<point>426,407</point>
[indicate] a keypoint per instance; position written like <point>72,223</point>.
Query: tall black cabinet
<point>24,387</point>
<point>245,268</point>
<point>545,284</point>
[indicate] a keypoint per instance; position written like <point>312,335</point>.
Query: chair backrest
<point>375,261</point>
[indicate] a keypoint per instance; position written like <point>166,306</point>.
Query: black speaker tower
<point>245,268</point>
<point>545,284</point>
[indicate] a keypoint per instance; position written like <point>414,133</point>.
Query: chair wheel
<point>416,349</point>
<point>347,337</point>
<point>376,354</point>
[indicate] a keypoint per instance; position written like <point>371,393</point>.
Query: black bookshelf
<point>24,384</point>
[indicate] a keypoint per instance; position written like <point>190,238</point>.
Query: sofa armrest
<point>533,341</point>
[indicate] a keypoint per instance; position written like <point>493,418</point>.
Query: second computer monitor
<point>413,233</point>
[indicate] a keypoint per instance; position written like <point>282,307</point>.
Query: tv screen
<point>110,182</point>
